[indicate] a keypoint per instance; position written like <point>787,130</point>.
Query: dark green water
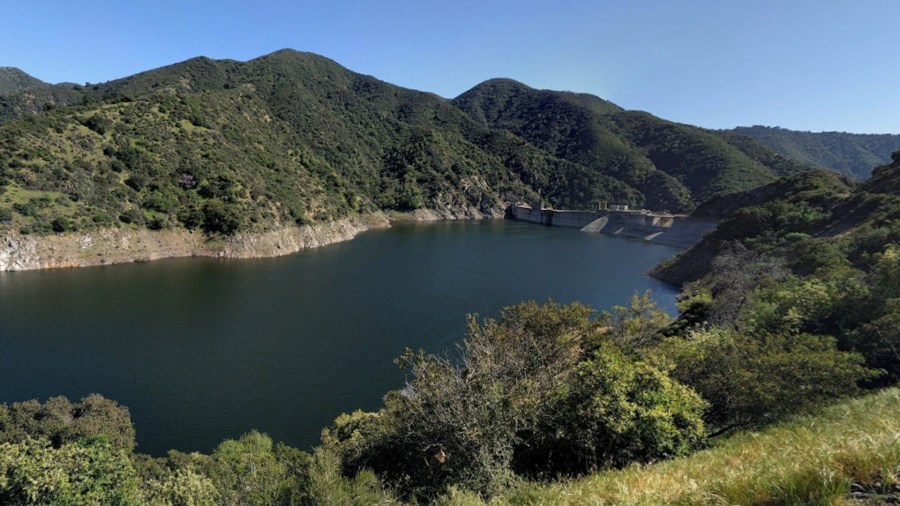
<point>202,350</point>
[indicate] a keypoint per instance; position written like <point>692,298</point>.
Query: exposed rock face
<point>450,213</point>
<point>109,246</point>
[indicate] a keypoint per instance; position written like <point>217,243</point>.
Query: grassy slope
<point>809,460</point>
<point>851,154</point>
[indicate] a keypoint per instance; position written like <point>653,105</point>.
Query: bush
<point>539,392</point>
<point>181,487</point>
<point>327,486</point>
<point>89,471</point>
<point>245,471</point>
<point>62,224</point>
<point>60,421</point>
<point>97,123</point>
<point>879,342</point>
<point>750,380</point>
<point>190,216</point>
<point>219,218</point>
<point>134,216</point>
<point>616,411</point>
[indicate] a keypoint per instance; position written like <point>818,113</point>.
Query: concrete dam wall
<point>673,230</point>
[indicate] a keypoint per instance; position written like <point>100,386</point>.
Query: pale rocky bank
<point>112,246</point>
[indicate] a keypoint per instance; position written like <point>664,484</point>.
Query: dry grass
<point>810,460</point>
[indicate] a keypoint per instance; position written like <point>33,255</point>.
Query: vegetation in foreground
<point>813,459</point>
<point>805,460</point>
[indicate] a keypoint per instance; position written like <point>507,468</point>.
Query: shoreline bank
<point>116,246</point>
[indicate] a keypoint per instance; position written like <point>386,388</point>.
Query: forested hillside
<point>800,217</point>
<point>851,154</point>
<point>674,166</point>
<point>22,94</point>
<point>294,138</point>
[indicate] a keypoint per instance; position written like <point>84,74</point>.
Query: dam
<point>678,230</point>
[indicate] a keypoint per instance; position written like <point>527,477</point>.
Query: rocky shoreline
<point>119,245</point>
<point>113,245</point>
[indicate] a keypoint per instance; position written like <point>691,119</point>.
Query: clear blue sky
<point>801,64</point>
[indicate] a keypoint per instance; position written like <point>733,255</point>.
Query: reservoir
<point>203,350</point>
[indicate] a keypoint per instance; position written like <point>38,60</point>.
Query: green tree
<point>879,342</point>
<point>538,392</point>
<point>181,487</point>
<point>61,421</point>
<point>637,324</point>
<point>246,471</point>
<point>328,487</point>
<point>614,411</point>
<point>89,471</point>
<point>221,218</point>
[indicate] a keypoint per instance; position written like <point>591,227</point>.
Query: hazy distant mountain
<point>294,137</point>
<point>851,154</point>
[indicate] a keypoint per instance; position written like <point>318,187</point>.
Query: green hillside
<point>293,137</point>
<point>22,94</point>
<point>674,166</point>
<point>814,208</point>
<point>851,154</point>
<point>287,138</point>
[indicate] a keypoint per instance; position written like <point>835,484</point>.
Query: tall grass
<point>808,460</point>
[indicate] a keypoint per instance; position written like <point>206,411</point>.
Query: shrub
<point>89,471</point>
<point>134,216</point>
<point>245,471</point>
<point>181,487</point>
<point>60,421</point>
<point>535,393</point>
<point>97,123</point>
<point>62,224</point>
<point>879,342</point>
<point>752,380</point>
<point>221,218</point>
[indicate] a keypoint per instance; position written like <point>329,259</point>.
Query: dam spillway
<point>681,231</point>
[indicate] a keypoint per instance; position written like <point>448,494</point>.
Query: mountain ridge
<point>13,80</point>
<point>294,137</point>
<point>848,153</point>
<point>644,151</point>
